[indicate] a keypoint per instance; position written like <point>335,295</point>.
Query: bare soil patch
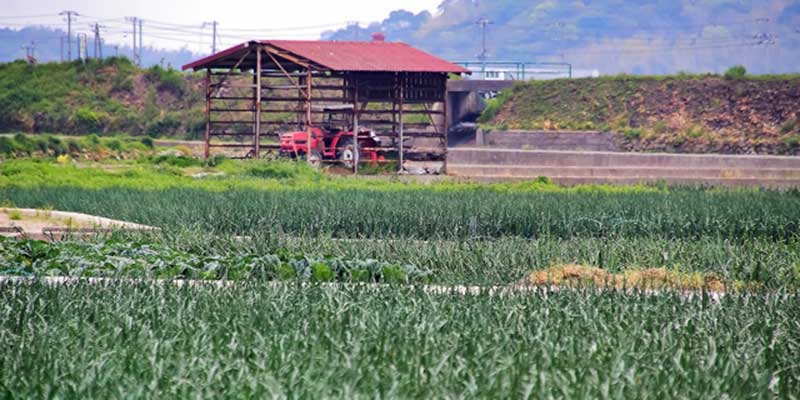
<point>646,279</point>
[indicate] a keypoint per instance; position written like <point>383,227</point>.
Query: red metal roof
<point>350,56</point>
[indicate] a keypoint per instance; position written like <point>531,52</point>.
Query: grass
<point>165,172</point>
<point>23,146</point>
<point>151,341</point>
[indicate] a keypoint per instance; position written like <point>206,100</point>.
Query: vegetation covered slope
<point>676,114</point>
<point>107,96</point>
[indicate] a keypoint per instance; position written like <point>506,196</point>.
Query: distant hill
<point>48,48</point>
<point>613,36</point>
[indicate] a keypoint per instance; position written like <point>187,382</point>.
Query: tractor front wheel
<point>315,158</point>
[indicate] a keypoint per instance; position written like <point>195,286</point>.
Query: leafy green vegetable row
<point>114,258</point>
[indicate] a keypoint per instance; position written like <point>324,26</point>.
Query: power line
<point>29,16</point>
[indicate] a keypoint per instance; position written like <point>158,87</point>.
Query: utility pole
<point>69,15</point>
<point>356,28</point>
<point>133,19</point>
<point>484,23</point>
<point>214,38</point>
<point>30,51</point>
<point>95,30</point>
<point>213,34</point>
<point>99,40</point>
<point>140,42</point>
<point>83,46</point>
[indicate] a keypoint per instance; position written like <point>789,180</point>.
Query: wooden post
<point>308,115</point>
<point>208,113</point>
<point>402,127</point>
<point>355,127</point>
<point>257,122</point>
<point>446,124</point>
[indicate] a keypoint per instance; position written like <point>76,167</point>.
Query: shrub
<point>632,134</point>
<point>23,143</point>
<point>56,145</point>
<point>494,105</point>
<point>41,144</point>
<point>272,171</point>
<point>15,215</point>
<point>168,124</point>
<point>176,161</point>
<point>7,146</point>
<point>789,126</point>
<point>148,142</point>
<point>122,83</point>
<point>115,145</point>
<point>215,160</point>
<point>86,120</point>
<point>73,147</point>
<point>736,72</point>
<point>167,79</point>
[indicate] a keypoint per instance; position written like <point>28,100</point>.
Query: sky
<point>173,23</point>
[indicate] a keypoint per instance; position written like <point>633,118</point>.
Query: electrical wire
<point>197,34</point>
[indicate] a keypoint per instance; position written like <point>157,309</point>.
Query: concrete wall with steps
<point>574,167</point>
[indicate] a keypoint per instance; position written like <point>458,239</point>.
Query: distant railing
<point>516,71</point>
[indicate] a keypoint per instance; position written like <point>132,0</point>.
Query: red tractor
<point>331,142</point>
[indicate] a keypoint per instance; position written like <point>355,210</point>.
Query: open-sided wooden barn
<point>258,89</point>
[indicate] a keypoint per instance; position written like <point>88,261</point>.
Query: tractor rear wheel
<point>346,152</point>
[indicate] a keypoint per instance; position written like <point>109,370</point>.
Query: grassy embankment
<point>737,114</point>
<point>104,97</point>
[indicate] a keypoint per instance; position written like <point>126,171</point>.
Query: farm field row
<point>191,255</point>
<point>314,204</point>
<point>145,341</point>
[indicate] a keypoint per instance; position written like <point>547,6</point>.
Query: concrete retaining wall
<point>544,140</point>
<point>571,167</point>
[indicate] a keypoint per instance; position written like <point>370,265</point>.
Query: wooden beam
<point>285,73</point>
<point>208,113</point>
<point>257,122</point>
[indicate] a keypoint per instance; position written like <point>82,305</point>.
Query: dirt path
<point>36,224</point>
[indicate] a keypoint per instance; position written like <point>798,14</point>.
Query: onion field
<point>299,316</point>
<point>145,341</point>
